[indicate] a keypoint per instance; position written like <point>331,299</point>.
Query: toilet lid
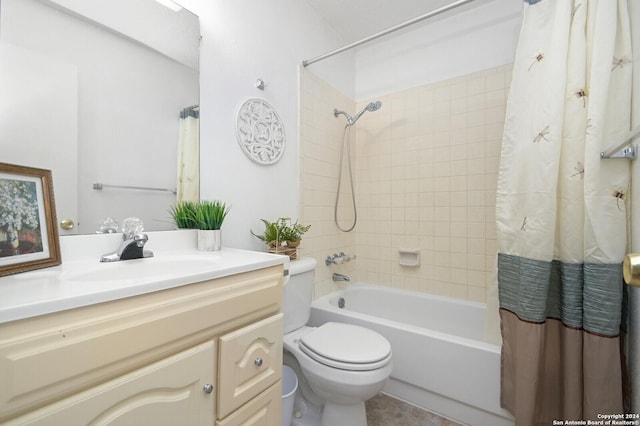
<point>346,346</point>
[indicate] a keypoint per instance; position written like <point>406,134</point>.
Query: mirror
<point>94,91</point>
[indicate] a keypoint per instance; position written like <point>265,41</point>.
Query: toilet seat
<point>346,347</point>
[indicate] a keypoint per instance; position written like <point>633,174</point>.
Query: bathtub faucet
<point>337,259</point>
<point>339,277</point>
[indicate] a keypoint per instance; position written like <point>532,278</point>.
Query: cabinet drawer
<point>262,410</point>
<point>250,361</point>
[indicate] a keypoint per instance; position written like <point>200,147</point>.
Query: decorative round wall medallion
<point>260,132</point>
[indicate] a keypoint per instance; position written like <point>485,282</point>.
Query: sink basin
<point>142,269</point>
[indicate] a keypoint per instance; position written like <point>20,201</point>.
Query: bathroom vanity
<point>203,347</point>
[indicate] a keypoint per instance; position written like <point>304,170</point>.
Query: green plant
<point>271,232</point>
<point>293,233</point>
<point>211,214</point>
<point>184,214</point>
<point>204,214</point>
<point>281,230</point>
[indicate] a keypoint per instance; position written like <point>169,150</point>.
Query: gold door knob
<point>631,269</point>
<point>67,224</point>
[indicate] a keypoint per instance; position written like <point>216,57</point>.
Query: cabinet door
<point>169,392</point>
<point>263,410</point>
<point>250,362</point>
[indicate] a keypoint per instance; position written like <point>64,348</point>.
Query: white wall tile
<point>427,166</point>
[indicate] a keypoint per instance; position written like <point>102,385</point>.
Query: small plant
<point>184,214</point>
<point>280,231</point>
<point>204,214</point>
<point>211,214</point>
<point>281,236</point>
<point>293,233</point>
<point>271,232</point>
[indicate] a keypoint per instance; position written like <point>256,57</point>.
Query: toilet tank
<point>298,293</point>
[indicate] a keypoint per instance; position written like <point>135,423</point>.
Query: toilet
<point>339,366</point>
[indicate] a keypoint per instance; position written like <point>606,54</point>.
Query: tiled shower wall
<point>320,141</point>
<point>426,169</point>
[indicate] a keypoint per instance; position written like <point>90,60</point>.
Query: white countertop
<point>84,280</point>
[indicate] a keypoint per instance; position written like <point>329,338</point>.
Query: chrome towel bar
<point>624,149</point>
<point>99,186</point>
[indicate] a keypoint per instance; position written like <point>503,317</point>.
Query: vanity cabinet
<point>208,353</point>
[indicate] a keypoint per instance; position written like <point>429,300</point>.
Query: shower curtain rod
<point>388,31</point>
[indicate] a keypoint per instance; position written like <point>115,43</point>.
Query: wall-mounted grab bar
<point>99,186</point>
<point>625,149</point>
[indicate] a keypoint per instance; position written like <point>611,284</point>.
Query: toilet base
<point>305,413</point>
<point>344,415</point>
<point>308,414</point>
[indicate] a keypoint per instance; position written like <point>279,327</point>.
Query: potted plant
<point>184,214</point>
<point>206,216</point>
<point>282,237</point>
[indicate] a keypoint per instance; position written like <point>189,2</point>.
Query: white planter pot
<point>209,240</point>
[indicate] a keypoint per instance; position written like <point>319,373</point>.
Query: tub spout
<point>339,277</point>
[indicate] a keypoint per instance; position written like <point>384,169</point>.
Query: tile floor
<point>383,410</point>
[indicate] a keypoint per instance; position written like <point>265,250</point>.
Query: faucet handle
<point>131,226</point>
<point>140,239</point>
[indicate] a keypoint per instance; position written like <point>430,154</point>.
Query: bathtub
<point>440,359</point>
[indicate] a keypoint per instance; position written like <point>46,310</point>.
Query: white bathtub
<point>440,361</point>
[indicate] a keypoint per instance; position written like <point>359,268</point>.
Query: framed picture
<point>28,226</point>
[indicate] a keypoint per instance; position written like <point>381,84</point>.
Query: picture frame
<point>28,226</point>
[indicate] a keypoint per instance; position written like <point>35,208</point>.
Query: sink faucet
<point>131,247</point>
<point>339,277</point>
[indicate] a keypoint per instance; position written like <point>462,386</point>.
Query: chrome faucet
<point>131,247</point>
<point>339,277</point>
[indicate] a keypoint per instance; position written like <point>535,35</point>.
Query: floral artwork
<point>28,229</point>
<point>19,217</point>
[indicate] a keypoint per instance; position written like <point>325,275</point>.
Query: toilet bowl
<point>342,365</point>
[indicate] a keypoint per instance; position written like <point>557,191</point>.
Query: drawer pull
<point>208,388</point>
<point>258,362</point>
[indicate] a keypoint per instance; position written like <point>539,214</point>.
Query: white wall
<point>37,89</point>
<point>175,40</point>
<point>243,41</point>
<point>434,50</point>
<point>250,39</point>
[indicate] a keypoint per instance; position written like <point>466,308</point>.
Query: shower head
<point>372,106</point>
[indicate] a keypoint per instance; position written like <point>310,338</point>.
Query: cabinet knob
<point>208,388</point>
<point>258,362</point>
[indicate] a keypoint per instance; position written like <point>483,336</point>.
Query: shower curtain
<point>188,155</point>
<point>562,212</point>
